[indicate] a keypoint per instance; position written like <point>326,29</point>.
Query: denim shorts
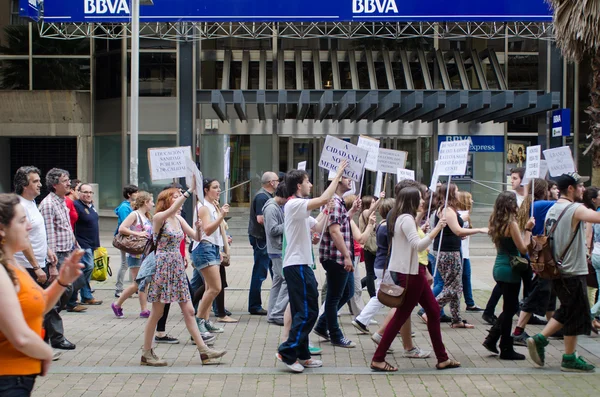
<point>206,254</point>
<point>133,262</point>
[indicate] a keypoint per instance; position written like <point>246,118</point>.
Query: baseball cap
<point>569,179</point>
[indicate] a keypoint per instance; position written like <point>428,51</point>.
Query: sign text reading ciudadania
<point>335,150</point>
<point>290,11</point>
<point>168,163</point>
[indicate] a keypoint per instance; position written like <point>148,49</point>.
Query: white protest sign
<point>168,163</point>
<point>543,169</point>
<point>335,150</point>
<point>453,156</point>
<point>378,182</point>
<point>405,174</point>
<point>534,157</point>
<point>302,165</point>
<point>559,160</point>
<point>192,170</point>
<point>434,178</point>
<point>390,160</point>
<point>226,162</point>
<point>372,146</point>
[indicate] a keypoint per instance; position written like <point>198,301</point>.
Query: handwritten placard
<point>405,174</point>
<point>543,169</point>
<point>559,160</point>
<point>336,150</point>
<point>168,163</point>
<point>227,162</point>
<point>434,178</point>
<point>302,165</point>
<point>372,146</point>
<point>191,172</point>
<point>453,156</point>
<point>390,160</point>
<point>534,158</point>
<point>378,182</point>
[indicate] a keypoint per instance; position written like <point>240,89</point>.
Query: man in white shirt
<point>28,184</point>
<point>516,182</point>
<point>297,266</point>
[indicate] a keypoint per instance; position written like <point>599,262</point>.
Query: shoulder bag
<point>390,295</point>
<point>132,244</point>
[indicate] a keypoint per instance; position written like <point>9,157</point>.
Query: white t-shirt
<point>520,198</point>
<point>37,235</point>
<point>464,243</point>
<point>297,225</point>
<point>215,238</point>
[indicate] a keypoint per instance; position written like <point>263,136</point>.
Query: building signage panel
<point>479,143</point>
<point>292,11</point>
<point>561,122</point>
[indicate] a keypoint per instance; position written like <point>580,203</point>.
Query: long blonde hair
<point>141,200</point>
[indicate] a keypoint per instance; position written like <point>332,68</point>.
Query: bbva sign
<point>106,7</point>
<point>372,6</point>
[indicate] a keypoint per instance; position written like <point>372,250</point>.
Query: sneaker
<point>344,342</point>
<point>56,355</point>
<point>520,340</point>
<point>474,309</point>
<point>201,323</point>
<point>536,346</point>
<point>314,350</point>
<point>311,363</point>
<point>166,339</point>
<point>118,311</point>
<point>535,320</point>
<point>360,327</point>
<point>575,363</point>
<point>490,319</point>
<point>207,338</point>
<point>320,334</point>
<point>145,314</point>
<point>295,367</point>
<point>416,352</point>
<point>210,327</point>
<point>377,338</point>
<point>373,322</point>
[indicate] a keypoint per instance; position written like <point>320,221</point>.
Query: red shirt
<point>72,212</point>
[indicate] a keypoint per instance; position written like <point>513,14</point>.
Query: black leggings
<point>162,323</point>
<point>510,294</point>
<point>220,299</point>
<point>370,278</point>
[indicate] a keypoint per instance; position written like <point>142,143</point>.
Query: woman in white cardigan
<point>405,271</point>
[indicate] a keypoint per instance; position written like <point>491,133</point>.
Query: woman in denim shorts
<point>206,254</point>
<point>138,223</point>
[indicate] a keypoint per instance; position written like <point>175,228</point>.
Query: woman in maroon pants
<point>406,271</point>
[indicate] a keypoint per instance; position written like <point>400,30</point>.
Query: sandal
<point>451,364</point>
<point>423,317</point>
<point>386,368</point>
<point>462,324</point>
<point>226,319</point>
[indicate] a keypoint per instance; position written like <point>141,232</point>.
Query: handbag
<point>131,244</point>
<point>390,295</point>
<point>102,268</point>
<point>518,263</point>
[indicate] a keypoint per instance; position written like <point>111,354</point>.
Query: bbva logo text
<point>372,6</point>
<point>105,7</point>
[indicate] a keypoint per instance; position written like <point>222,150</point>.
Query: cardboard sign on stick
<point>543,169</point>
<point>453,156</point>
<point>302,165</point>
<point>390,160</point>
<point>336,150</point>
<point>192,170</point>
<point>559,160</point>
<point>405,174</point>
<point>226,162</point>
<point>372,146</point>
<point>168,162</point>
<point>534,157</point>
<point>378,182</point>
<point>434,178</point>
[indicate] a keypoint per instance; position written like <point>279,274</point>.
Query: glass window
<point>15,19</point>
<point>14,40</point>
<point>523,72</point>
<point>14,74</point>
<point>308,72</point>
<point>108,76</point>
<point>327,75</point>
<point>491,78</point>
<point>61,74</point>
<point>235,75</point>
<point>47,46</point>
<point>253,75</point>
<point>398,71</point>
<point>345,76</point>
<point>107,170</point>
<point>158,74</point>
<point>290,75</point>
<point>520,44</point>
<point>363,76</point>
<point>211,74</point>
<point>382,82</point>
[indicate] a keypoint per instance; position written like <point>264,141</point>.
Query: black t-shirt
<point>450,242</point>
<point>255,229</point>
<point>87,230</point>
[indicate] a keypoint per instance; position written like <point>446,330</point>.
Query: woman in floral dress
<point>169,283</point>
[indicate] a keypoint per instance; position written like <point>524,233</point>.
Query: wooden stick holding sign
<point>532,170</point>
<point>433,187</point>
<point>452,160</point>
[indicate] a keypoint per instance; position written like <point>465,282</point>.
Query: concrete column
<point>185,92</point>
<point>551,80</point>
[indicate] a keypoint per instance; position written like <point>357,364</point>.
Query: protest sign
<point>336,150</point>
<point>543,169</point>
<point>389,160</point>
<point>226,162</point>
<point>378,181</point>
<point>435,177</point>
<point>534,157</point>
<point>372,146</point>
<point>559,160</point>
<point>302,165</point>
<point>452,159</point>
<point>405,174</point>
<point>168,163</point>
<point>193,171</point>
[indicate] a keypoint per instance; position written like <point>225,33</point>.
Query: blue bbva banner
<point>294,10</point>
<point>479,143</point>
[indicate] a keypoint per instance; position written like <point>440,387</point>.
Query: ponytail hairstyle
<point>540,192</point>
<point>8,202</point>
<point>141,200</point>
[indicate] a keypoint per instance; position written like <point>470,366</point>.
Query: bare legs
<point>212,282</point>
<point>132,289</point>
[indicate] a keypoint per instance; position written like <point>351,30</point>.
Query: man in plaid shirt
<point>336,254</point>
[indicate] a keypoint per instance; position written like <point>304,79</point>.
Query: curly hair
<point>540,187</point>
<point>504,212</point>
<point>21,178</point>
<point>8,203</point>
<point>53,178</point>
<point>165,199</point>
<point>141,200</point>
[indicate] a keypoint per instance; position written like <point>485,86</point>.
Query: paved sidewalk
<point>106,361</point>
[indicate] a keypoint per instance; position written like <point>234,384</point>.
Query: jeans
<point>122,272</point>
<point>262,264</point>
<point>304,306</point>
<point>86,292</point>
<point>278,297</point>
<point>16,385</point>
<point>466,279</point>
<point>355,303</point>
<point>338,291</point>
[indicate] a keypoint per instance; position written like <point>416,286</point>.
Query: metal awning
<point>375,105</point>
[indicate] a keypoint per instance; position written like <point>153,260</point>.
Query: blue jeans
<point>16,386</point>
<point>466,281</point>
<point>85,291</point>
<point>262,264</point>
<point>337,295</point>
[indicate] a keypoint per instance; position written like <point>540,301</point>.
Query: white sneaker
<point>373,322</point>
<point>311,363</point>
<point>377,338</point>
<point>56,355</point>
<point>295,367</point>
<point>416,352</point>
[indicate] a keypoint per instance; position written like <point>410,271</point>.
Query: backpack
<point>101,265</point>
<point>540,252</point>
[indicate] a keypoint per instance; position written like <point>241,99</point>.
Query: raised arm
<point>188,230</point>
<point>364,236</point>
<point>161,217</point>
<point>315,203</point>
<point>211,226</point>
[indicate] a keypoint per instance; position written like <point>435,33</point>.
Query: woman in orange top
<point>23,353</point>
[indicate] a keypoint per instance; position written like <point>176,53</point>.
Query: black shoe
<point>260,312</point>
<point>276,321</point>
<point>321,334</point>
<point>444,318</point>
<point>363,329</point>
<point>489,319</point>
<point>474,309</point>
<point>117,295</point>
<point>535,320</point>
<point>491,341</point>
<point>64,345</point>
<point>508,353</point>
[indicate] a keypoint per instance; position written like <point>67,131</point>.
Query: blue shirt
<point>382,247</point>
<point>122,211</point>
<point>540,209</point>
<point>87,231</point>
